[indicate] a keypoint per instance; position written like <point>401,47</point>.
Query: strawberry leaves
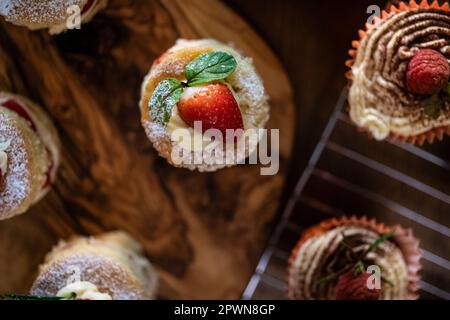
<point>209,67</point>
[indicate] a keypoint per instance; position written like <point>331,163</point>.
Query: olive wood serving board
<point>203,232</point>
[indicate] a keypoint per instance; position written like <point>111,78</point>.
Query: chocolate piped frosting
<point>334,248</point>
<point>322,255</point>
<point>379,99</point>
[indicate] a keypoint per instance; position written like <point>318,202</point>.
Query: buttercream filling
<point>321,256</point>
<point>379,99</point>
<point>82,290</point>
<point>22,112</point>
<point>3,160</point>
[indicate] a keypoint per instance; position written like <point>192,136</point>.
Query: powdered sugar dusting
<point>100,270</point>
<point>111,262</point>
<point>27,155</point>
<point>17,181</point>
<point>37,11</point>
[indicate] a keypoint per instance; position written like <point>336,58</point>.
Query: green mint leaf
<point>383,238</point>
<point>432,106</point>
<point>24,297</point>
<point>164,98</point>
<point>332,276</point>
<point>211,66</point>
<point>359,268</point>
<point>327,278</point>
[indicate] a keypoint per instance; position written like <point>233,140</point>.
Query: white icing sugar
<point>5,7</point>
<point>20,184</point>
<point>17,182</point>
<point>102,271</point>
<point>113,263</point>
<point>38,12</point>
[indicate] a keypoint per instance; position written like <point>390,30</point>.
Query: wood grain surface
<point>204,232</point>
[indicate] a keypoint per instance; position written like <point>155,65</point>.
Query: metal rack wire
<point>350,174</point>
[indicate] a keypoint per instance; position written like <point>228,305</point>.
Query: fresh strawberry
<point>212,104</point>
<point>354,287</point>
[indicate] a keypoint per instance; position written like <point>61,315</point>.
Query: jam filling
<point>1,180</point>
<point>17,108</point>
<point>87,6</point>
<point>13,106</point>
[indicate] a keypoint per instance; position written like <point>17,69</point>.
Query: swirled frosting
<point>379,100</point>
<point>321,256</point>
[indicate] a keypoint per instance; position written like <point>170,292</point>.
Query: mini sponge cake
<point>48,14</point>
<point>244,83</point>
<point>29,154</point>
<point>111,265</point>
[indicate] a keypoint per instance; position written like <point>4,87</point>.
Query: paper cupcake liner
<point>433,134</point>
<point>403,238</point>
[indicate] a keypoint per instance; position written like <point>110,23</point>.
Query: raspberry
<point>354,287</point>
<point>428,72</point>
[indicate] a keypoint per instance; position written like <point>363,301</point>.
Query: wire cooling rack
<point>349,174</point>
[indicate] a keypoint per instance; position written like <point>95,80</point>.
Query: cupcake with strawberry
<point>199,102</point>
<point>400,74</point>
<point>354,259</point>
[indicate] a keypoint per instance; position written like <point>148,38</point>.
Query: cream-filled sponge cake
<point>49,14</point>
<point>29,154</point>
<point>207,82</point>
<point>107,267</point>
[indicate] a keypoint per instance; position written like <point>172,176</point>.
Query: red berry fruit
<point>354,287</point>
<point>428,72</point>
<point>212,104</point>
